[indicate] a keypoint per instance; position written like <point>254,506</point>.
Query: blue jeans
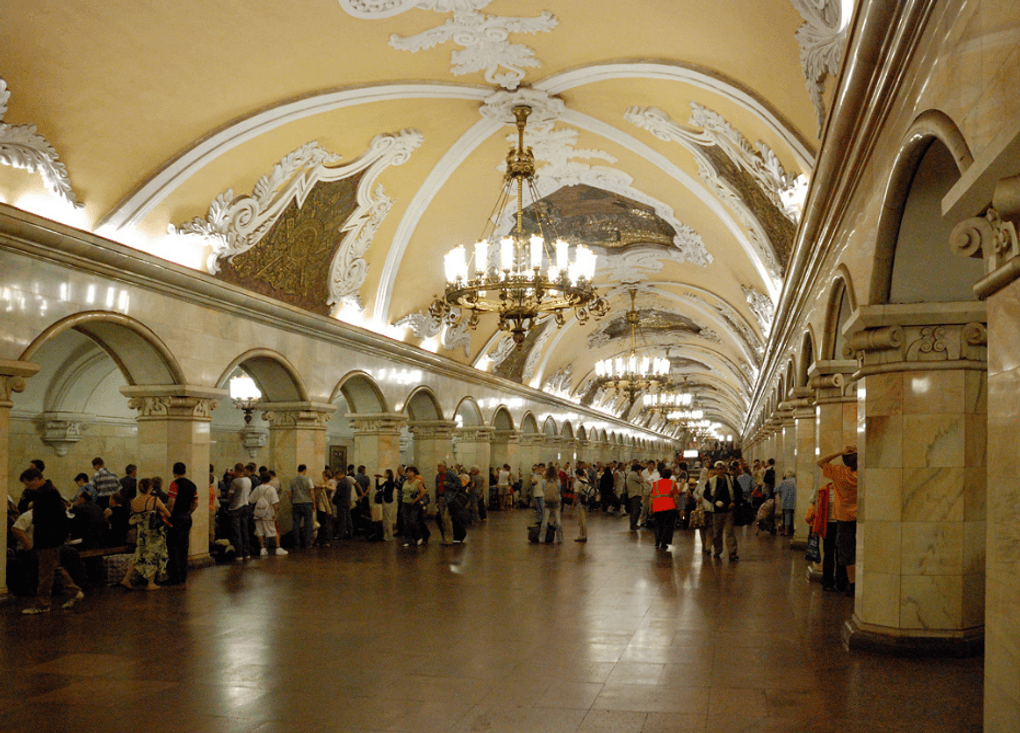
<point>539,506</point>
<point>302,512</point>
<point>240,529</point>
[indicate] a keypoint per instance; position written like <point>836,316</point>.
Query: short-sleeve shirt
<point>239,490</point>
<point>106,482</point>
<point>24,523</point>
<point>844,496</point>
<point>184,493</point>
<point>301,490</point>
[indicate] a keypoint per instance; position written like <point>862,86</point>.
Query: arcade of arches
<point>825,266</point>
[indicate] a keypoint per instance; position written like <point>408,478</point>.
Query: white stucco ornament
<point>454,329</point>
<point>822,38</point>
<point>762,307</point>
<point>236,224</point>
<point>484,39</point>
<point>22,147</point>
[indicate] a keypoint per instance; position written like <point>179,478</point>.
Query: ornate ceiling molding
<point>236,224</point>
<point>761,306</point>
<point>22,147</point>
<point>822,38</point>
<point>761,164</point>
<point>453,331</point>
<point>484,39</point>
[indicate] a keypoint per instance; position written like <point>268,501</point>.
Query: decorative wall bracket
<point>236,224</point>
<point>61,430</point>
<point>253,439</point>
<point>22,147</point>
<point>993,237</point>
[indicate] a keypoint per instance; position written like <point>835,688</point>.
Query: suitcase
<point>534,529</point>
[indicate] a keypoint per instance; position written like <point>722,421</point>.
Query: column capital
<point>831,380</point>
<point>312,415</point>
<point>377,423</point>
<point>12,378</point>
<point>917,337</point>
<point>173,401</point>
<point>530,439</point>
<point>993,238</point>
<point>432,428</point>
<point>473,434</point>
<point>508,436</point>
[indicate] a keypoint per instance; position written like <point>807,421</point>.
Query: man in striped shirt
<point>105,481</point>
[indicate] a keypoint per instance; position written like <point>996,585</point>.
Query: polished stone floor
<point>495,635</point>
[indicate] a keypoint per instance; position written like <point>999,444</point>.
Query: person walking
<point>584,492</point>
<point>302,508</point>
<point>49,532</point>
<point>389,503</point>
<point>665,501</point>
<point>724,494</point>
<point>182,504</point>
<point>787,493</point>
<point>323,498</point>
<point>538,493</point>
<point>635,488</point>
<point>553,510</point>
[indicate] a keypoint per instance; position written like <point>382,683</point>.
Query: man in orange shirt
<point>844,484</point>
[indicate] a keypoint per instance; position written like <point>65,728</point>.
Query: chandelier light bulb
<point>562,255</point>
<point>506,254</point>
<point>456,264</point>
<point>244,388</point>
<point>481,257</point>
<point>536,252</point>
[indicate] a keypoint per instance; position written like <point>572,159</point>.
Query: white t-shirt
<point>537,486</point>
<point>504,477</point>
<point>267,491</point>
<point>24,523</point>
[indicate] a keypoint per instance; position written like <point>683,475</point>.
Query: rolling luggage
<point>533,530</point>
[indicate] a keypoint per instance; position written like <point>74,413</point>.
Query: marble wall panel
<point>934,440</point>
<point>883,441</point>
<point>931,602</point>
<point>933,392</point>
<point>878,597</point>
<point>883,502</point>
<point>933,494</point>
<point>932,548</point>
<point>883,542</point>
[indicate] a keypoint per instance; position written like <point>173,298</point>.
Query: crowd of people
<point>48,534</point>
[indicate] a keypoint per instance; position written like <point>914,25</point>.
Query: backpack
<point>263,509</point>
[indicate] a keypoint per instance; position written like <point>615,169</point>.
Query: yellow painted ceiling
<point>121,88</point>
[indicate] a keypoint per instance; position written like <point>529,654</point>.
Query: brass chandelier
<point>520,278</point>
<point>632,374</point>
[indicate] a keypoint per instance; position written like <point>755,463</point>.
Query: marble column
<point>835,401</point>
<point>12,379</point>
<point>472,446</point>
<point>804,460</point>
<point>173,425</point>
<point>377,440</point>
<point>527,455</point>
<point>433,444</point>
<point>921,407</point>
<point>297,434</point>
<point>994,237</point>
<point>505,447</point>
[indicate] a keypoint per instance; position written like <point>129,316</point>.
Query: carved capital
<point>432,429</point>
<point>173,402</point>
<point>12,378</point>
<point>507,436</point>
<point>930,336</point>
<point>993,237</point>
<point>61,430</point>
<point>473,434</point>
<point>377,423</point>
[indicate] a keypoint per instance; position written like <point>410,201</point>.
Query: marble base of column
<point>859,636</point>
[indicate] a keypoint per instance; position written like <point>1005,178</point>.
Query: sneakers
<point>420,542</point>
<point>72,602</point>
<point>263,552</point>
<point>407,544</point>
<point>733,558</point>
<point>281,551</point>
<point>31,610</point>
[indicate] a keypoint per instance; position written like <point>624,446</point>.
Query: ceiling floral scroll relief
<point>484,39</point>
<point>453,330</point>
<point>822,38</point>
<point>750,180</point>
<point>234,225</point>
<point>22,147</point>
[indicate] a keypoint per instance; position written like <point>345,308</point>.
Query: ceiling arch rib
<point>145,198</point>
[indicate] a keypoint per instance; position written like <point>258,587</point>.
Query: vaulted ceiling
<point>329,152</point>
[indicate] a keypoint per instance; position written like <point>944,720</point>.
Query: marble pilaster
<point>376,440</point>
<point>994,238</point>
<point>472,446</point>
<point>174,425</point>
<point>921,386</point>
<point>12,379</point>
<point>297,434</point>
<point>505,447</point>
<point>804,460</point>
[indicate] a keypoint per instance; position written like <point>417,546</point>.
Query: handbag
<point>813,553</point>
<point>156,520</point>
<point>697,520</point>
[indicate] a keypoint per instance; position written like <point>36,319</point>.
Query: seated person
<point>117,517</point>
<point>88,522</point>
<point>83,484</point>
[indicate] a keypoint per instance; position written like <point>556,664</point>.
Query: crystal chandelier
<point>631,374</point>
<point>532,276</point>
<point>246,395</point>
